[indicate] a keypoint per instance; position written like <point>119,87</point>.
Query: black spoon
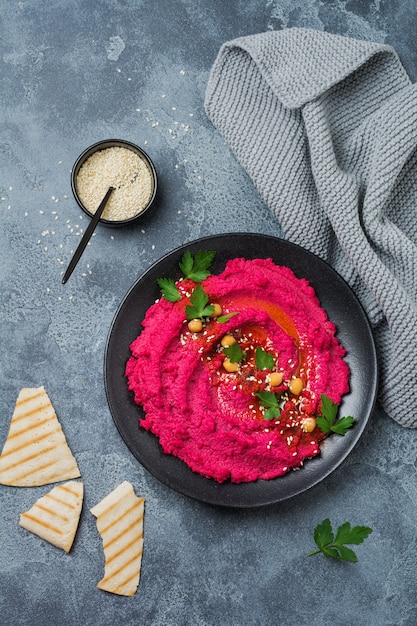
<point>87,236</point>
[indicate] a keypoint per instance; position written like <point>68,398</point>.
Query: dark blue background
<point>74,73</point>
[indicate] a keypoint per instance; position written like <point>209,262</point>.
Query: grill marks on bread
<point>35,452</point>
<point>120,524</point>
<point>56,515</point>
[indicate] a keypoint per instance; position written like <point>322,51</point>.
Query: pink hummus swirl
<point>211,418</point>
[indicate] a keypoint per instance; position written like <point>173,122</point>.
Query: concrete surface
<point>77,72</point>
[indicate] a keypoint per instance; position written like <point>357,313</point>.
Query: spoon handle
<point>87,235</point>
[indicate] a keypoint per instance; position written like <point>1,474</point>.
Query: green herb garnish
<point>222,319</point>
<point>327,420</point>
<point>235,353</point>
<point>197,268</point>
<point>193,267</point>
<point>270,401</point>
<point>169,289</point>
<point>263,360</point>
<point>199,306</point>
<point>335,546</point>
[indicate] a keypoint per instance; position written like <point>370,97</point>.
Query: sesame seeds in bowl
<point>119,164</point>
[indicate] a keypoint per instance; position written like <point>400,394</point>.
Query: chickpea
<point>227,340</point>
<point>217,311</point>
<point>275,378</point>
<point>308,424</point>
<point>229,366</point>
<point>195,326</point>
<point>296,386</point>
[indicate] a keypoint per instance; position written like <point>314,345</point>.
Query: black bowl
<point>102,145</point>
<point>354,333</point>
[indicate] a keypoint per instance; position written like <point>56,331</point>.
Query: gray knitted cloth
<point>326,127</point>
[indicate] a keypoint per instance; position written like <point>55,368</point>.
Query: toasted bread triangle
<point>55,516</point>
<point>120,524</point>
<point>35,452</point>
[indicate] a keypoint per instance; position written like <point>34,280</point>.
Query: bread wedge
<point>120,524</point>
<point>35,452</point>
<point>55,516</point>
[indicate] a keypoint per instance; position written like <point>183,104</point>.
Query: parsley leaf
<point>335,546</point>
<point>327,420</point>
<point>199,307</point>
<point>168,289</point>
<point>263,360</point>
<point>186,263</point>
<point>270,401</point>
<point>225,318</point>
<point>272,413</point>
<point>342,426</point>
<point>235,353</point>
<point>197,268</point>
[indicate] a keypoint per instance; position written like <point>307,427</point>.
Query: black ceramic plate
<point>342,308</point>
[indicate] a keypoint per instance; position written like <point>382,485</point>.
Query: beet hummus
<point>239,419</point>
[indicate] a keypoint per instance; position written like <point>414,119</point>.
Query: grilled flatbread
<point>35,452</point>
<point>120,524</point>
<point>55,516</point>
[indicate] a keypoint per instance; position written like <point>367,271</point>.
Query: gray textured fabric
<point>326,127</point>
